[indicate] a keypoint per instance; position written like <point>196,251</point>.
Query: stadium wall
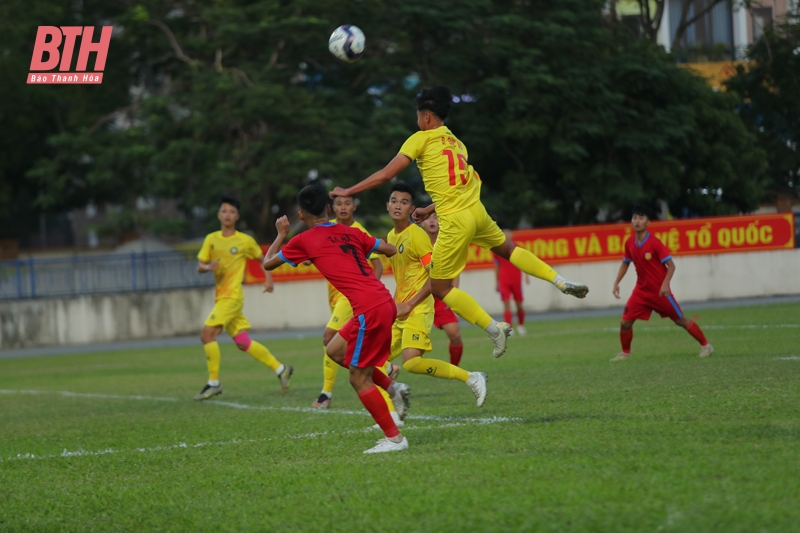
<point>303,304</point>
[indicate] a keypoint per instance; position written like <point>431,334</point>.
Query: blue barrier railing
<point>96,274</point>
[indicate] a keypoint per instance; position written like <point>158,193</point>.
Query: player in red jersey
<point>443,317</point>
<point>509,284</point>
<point>340,254</point>
<point>654,270</point>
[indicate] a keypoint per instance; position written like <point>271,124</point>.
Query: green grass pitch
<point>567,441</point>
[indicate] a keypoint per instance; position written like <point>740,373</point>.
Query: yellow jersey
<point>333,294</point>
<point>443,162</point>
<point>410,265</point>
<point>232,253</point>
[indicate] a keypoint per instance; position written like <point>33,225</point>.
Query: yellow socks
<point>260,352</point>
<point>435,368</point>
<point>212,359</point>
<point>530,264</point>
<point>467,308</point>
<point>330,369</point>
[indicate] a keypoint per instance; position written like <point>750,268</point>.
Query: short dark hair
<point>437,99</point>
<point>641,210</point>
<point>231,201</point>
<point>314,199</point>
<point>402,186</point>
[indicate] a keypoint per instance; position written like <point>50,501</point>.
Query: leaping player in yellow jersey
<point>454,187</point>
<point>225,253</point>
<point>344,207</point>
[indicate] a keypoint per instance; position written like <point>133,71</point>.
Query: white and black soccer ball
<point>347,43</point>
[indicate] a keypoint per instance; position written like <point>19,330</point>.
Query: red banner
<point>604,242</point>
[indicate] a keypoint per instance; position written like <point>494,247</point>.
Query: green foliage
<point>770,93</point>
<point>565,120</point>
<point>664,442</point>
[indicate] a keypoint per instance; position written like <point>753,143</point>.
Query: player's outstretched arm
<point>623,269</point>
<point>380,177</point>
<point>272,260</point>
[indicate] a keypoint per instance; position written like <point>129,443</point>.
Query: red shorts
<point>507,290</point>
<point>641,304</point>
<point>369,336</point>
<point>442,315</point>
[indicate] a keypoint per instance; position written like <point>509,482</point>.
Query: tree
<point>241,98</point>
<point>565,120</point>
<point>31,114</point>
<point>568,121</point>
<point>770,93</point>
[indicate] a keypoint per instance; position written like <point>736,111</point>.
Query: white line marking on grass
<point>184,446</point>
<point>235,405</point>
<point>88,395</point>
<point>790,358</point>
<point>706,327</point>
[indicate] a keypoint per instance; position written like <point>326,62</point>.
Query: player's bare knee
<point>440,287</point>
<point>626,325</point>
<point>242,346</point>
<point>207,336</point>
<point>327,336</point>
<point>505,249</point>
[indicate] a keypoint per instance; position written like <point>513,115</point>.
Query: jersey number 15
<point>451,167</point>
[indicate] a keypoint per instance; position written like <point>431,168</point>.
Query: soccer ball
<point>347,43</point>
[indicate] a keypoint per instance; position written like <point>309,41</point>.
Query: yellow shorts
<point>341,312</point>
<point>413,332</point>
<point>457,231</point>
<point>227,313</point>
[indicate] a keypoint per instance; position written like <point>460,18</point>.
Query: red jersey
<point>508,273</point>
<point>340,254</point>
<point>648,258</point>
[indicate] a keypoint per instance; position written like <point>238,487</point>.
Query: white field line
<point>184,446</point>
<point>662,328</point>
<point>490,420</point>
<point>789,358</point>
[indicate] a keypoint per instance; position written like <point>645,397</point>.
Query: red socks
<point>695,331</point>
<point>376,405</point>
<point>455,353</point>
<point>507,317</point>
<point>381,380</point>
<point>625,338</point>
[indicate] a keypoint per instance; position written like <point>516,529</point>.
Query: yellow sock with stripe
<point>213,355</point>
<point>329,370</point>
<point>389,402</point>
<point>260,352</point>
<point>530,264</point>
<point>436,369</point>
<point>467,308</point>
